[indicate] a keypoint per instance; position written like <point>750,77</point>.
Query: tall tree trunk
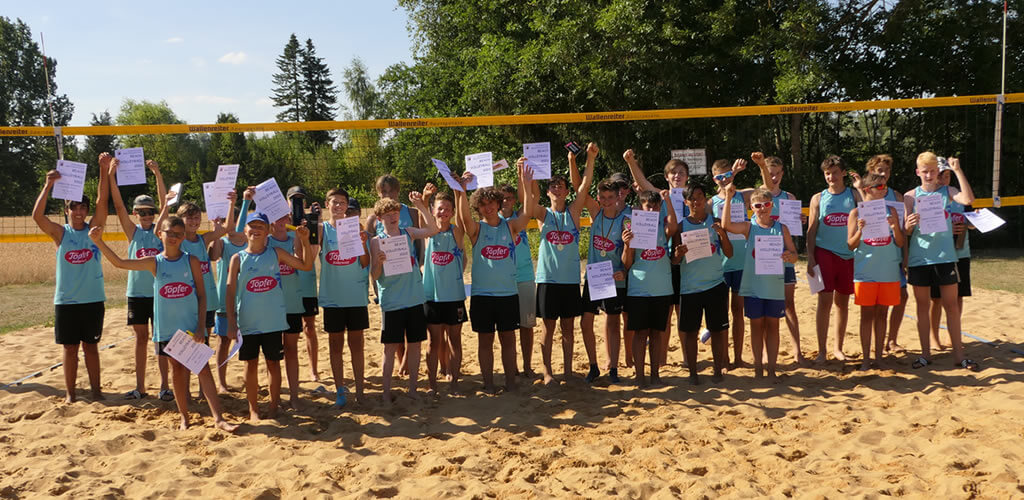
<point>795,139</point>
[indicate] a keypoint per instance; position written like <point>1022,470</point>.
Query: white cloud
<point>174,39</point>
<point>233,58</point>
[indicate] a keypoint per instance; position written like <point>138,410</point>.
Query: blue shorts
<point>755,308</point>
<point>220,324</point>
<point>733,279</point>
<point>903,278</point>
<point>789,275</point>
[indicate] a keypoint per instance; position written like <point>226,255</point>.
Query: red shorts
<point>877,294</point>
<point>836,272</point>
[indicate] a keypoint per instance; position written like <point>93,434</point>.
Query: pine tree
<point>319,95</point>
<point>288,85</point>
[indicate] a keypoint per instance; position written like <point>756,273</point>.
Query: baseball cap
<point>295,191</point>
<point>353,204</point>
<point>257,216</point>
<point>143,201</point>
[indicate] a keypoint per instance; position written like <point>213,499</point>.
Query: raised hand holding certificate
<point>538,157</point>
<point>72,180</point>
<point>350,243</point>
<point>270,201</point>
<point>131,168</point>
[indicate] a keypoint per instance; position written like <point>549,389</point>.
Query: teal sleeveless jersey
<point>343,282</point>
<point>307,282</point>
<point>198,250</point>
<point>404,220</point>
<point>606,242</point>
<point>558,260</point>
<point>175,305</point>
<point>956,213</point>
<point>702,274</point>
<point>144,244</point>
<point>833,213</point>
<point>784,195</point>
<point>442,271</point>
<point>734,263</point>
<point>935,248</point>
<point>260,299</point>
<point>79,271</point>
<point>522,254</point>
<point>230,249</point>
<point>877,260</point>
<point>494,267</point>
<point>762,286</point>
<point>404,290</point>
<point>651,272</point>
<point>289,275</point>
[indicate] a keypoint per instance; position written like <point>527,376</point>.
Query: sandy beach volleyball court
<point>828,431</point>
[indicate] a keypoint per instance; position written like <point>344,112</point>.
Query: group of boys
<point>264,292</point>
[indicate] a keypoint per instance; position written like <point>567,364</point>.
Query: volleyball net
<point>352,154</point>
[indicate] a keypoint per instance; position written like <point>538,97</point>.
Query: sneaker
<point>593,374</point>
<point>341,397</point>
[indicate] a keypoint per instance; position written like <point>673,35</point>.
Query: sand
<point>830,430</point>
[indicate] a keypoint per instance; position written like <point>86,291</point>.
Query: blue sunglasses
<point>722,177</point>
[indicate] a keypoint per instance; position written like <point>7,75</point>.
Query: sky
<point>203,58</point>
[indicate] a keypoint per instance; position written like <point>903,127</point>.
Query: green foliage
<point>287,91</point>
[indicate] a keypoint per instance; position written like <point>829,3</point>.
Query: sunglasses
<point>723,176</point>
<point>761,204</point>
<point>145,212</point>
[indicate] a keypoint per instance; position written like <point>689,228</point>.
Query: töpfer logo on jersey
<point>602,243</point>
<point>653,253</point>
<point>958,218</point>
<point>261,284</point>
<point>838,219</point>
<point>204,267</point>
<point>285,269</point>
<point>878,242</point>
<point>146,252</point>
<point>495,252</point>
<point>175,290</point>
<point>80,256</point>
<point>442,258</point>
<point>559,237</point>
<point>334,258</point>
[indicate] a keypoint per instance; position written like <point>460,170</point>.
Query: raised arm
<point>243,212</point>
<point>854,227</point>
<point>525,177</point>
<point>143,264</point>
<point>52,229</point>
<point>100,216</point>
<point>462,209</point>
<point>583,190</point>
<point>222,228</point>
<point>671,222</point>
<point>726,220</point>
<point>430,227</point>
<point>377,266</point>
<point>161,188</point>
<point>627,249</point>
<point>965,196</point>
<point>766,176</point>
<point>638,175</point>
<point>127,226</point>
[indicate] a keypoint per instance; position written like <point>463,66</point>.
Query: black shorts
<point>339,319</point>
<point>271,343</point>
<point>933,275</point>
<point>403,325</point>
<point>713,303</point>
<point>963,288</point>
<point>140,310</point>
<point>675,282</point>
<point>494,314</point>
<point>312,306</point>
<point>158,347</point>
<point>78,323</point>
<point>294,322</point>
<point>211,319</point>
<point>556,300</point>
<point>648,313</point>
<point>611,305</point>
<point>445,313</point>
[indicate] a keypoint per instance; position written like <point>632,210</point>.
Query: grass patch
<point>32,304</point>
<point>998,270</point>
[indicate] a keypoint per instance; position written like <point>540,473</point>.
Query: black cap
<point>295,191</point>
<point>353,204</point>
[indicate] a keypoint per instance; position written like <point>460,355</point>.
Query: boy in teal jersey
<point>558,265</point>
<point>281,237</point>
<point>772,170</point>
<point>763,294</point>
<point>184,295</point>
<point>827,248</point>
<point>307,289</point>
<point>79,296</point>
<point>624,188</point>
<point>703,291</point>
<point>143,242</point>
<point>198,245</point>
<point>932,257</point>
<point>524,275</point>
<point>256,309</point>
<point>876,270</point>
<point>221,252</point>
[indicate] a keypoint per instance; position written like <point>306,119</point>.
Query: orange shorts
<point>876,294</point>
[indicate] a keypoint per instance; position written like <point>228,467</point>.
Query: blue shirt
<point>522,254</point>
<point>877,260</point>
<point>343,282</point>
<point>606,242</point>
<point>198,249</point>
<point>175,304</point>
<point>442,271</point>
<point>761,286</point>
<point>558,260</point>
<point>494,267</point>
<point>734,263</point>
<point>260,299</point>
<point>651,272</point>
<point>935,248</point>
<point>401,291</point>
<point>833,213</point>
<point>289,275</point>
<point>702,274</point>
<point>229,250</point>
<point>144,244</point>
<point>79,271</point>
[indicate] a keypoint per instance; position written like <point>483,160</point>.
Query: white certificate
<point>217,207</point>
<point>173,198</point>
<point>789,215</point>
<point>538,158</point>
<point>985,220</point>
<point>600,280</point>
<point>698,244</point>
<point>350,243</point>
<point>678,202</point>
<point>816,282</point>
<point>194,355</point>
<point>645,229</point>
<point>768,254</point>
<point>481,164</point>
<point>72,180</point>
<point>270,201</point>
<point>398,259</point>
<point>932,212</point>
<point>227,176</point>
<point>237,346</point>
<point>131,168</point>
<point>901,210</point>
<point>446,174</point>
<point>738,213</point>
<point>874,213</point>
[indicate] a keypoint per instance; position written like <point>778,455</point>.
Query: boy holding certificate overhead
<point>732,267</point>
<point>702,288</point>
<point>769,245</point>
<point>933,258</point>
<point>400,287</point>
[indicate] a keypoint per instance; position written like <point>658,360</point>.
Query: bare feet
<point>641,382</point>
<point>294,404</point>
<point>315,376</point>
<point>70,397</point>
<point>838,354</point>
<point>254,416</point>
<point>548,379</point>
<point>739,363</point>
<point>226,427</point>
<point>223,389</point>
<point>716,378</point>
<point>894,348</point>
<point>272,411</point>
<point>97,395</point>
<point>183,425</point>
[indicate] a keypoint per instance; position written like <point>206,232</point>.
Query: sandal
<point>166,395</point>
<point>341,398</point>
<point>134,394</point>
<point>920,363</point>
<point>970,364</point>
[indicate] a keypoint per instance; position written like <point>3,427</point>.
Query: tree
<point>319,95</point>
<point>181,156</point>
<point>361,92</point>
<point>288,83</point>
<point>23,102</point>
